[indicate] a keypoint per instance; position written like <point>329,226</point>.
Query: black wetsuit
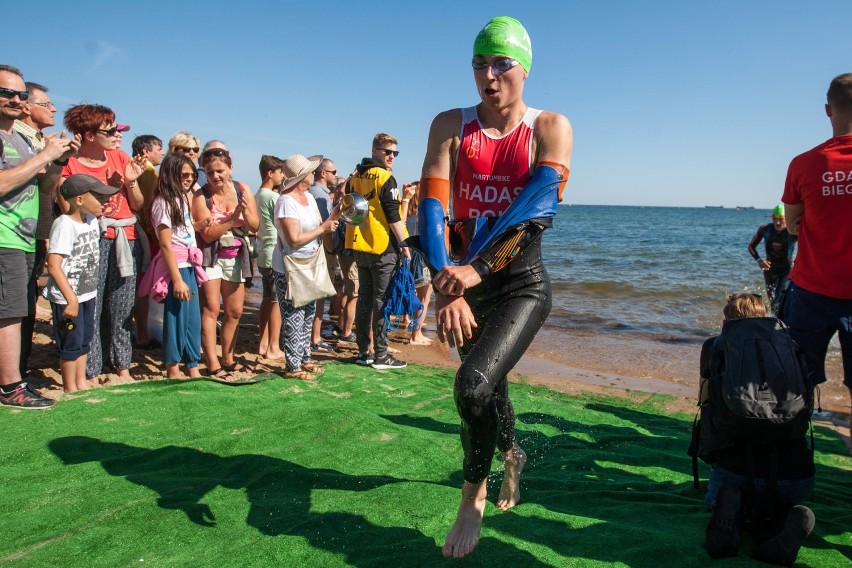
<point>779,252</point>
<point>509,306</point>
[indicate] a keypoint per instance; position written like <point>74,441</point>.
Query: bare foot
<point>420,339</point>
<point>273,355</point>
<point>194,373</point>
<point>464,536</point>
<point>510,493</point>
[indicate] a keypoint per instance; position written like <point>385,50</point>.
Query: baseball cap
<point>122,127</point>
<point>78,184</point>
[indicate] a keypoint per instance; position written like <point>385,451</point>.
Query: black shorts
<point>268,284</point>
<point>17,296</point>
<point>71,344</point>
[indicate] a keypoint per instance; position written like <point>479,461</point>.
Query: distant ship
<point>741,208</point>
<point>714,206</point>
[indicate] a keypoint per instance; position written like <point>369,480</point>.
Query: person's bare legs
<point>233,297</point>
<point>270,330</point>
<point>510,493</point>
<point>209,295</point>
<point>348,314</point>
<point>68,369</point>
<point>316,325</point>
<point>82,383</point>
<point>10,350</point>
<point>424,293</point>
<point>464,536</point>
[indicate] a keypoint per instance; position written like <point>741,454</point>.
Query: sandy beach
<point>616,364</point>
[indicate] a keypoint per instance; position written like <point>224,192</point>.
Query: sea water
<point>660,272</point>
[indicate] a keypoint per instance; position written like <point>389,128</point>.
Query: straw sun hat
<point>296,167</point>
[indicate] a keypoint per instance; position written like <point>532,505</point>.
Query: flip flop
<point>237,367</point>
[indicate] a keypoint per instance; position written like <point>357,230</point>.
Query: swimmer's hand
<point>455,320</point>
<point>454,280</point>
<point>765,264</point>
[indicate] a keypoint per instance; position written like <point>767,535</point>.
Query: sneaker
<point>364,359</point>
<point>389,362</point>
<point>347,338</point>
<point>783,548</point>
<point>26,398</point>
<point>723,534</point>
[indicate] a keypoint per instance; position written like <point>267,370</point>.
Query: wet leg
<point>464,535</point>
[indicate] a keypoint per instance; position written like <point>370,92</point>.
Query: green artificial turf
<point>361,468</point>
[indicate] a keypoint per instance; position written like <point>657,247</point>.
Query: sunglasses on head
<point>388,152</point>
<point>498,66</point>
<point>218,152</point>
<point>187,149</point>
<point>108,131</point>
<point>11,93</point>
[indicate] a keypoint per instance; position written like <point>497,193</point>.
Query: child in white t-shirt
<point>72,263</point>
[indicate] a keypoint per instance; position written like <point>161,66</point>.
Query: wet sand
<point>612,363</point>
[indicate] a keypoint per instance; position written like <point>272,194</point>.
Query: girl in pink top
<point>226,213</point>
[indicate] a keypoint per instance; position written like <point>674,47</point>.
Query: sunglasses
<point>388,152</point>
<point>218,152</point>
<point>187,149</point>
<point>185,175</point>
<point>332,172</point>
<point>12,93</point>
<point>498,66</point>
<point>109,131</point>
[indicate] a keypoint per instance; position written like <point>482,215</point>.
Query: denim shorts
<point>813,320</point>
<point>789,491</point>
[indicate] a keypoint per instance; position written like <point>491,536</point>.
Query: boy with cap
<point>780,245</point>
<point>72,261</point>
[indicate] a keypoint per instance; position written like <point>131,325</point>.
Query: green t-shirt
<point>19,207</point>
<point>266,233</point>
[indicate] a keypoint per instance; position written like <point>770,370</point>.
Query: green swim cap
<point>505,36</point>
<point>778,211</point>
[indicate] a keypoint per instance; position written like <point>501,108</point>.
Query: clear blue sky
<point>672,102</point>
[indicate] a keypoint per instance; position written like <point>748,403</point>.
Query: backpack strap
<point>693,451</point>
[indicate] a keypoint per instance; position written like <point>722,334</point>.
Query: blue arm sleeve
<point>431,227</point>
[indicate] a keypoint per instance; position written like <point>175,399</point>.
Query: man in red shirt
<point>818,206</point>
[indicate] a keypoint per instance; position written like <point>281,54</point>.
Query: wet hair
<point>35,87</point>
<point>383,139</point>
<point>80,119</point>
<point>170,189</point>
<point>145,142</point>
<point>840,92</point>
<point>10,69</point>
<point>269,164</point>
<point>182,138</point>
<point>744,306</point>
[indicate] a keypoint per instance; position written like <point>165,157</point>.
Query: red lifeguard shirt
<point>490,171</point>
<point>821,180</point>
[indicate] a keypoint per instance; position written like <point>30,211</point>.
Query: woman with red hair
<point>122,243</point>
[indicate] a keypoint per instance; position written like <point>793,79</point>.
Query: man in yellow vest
<point>376,243</point>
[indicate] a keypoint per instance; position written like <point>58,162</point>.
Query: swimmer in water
<point>499,161</point>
